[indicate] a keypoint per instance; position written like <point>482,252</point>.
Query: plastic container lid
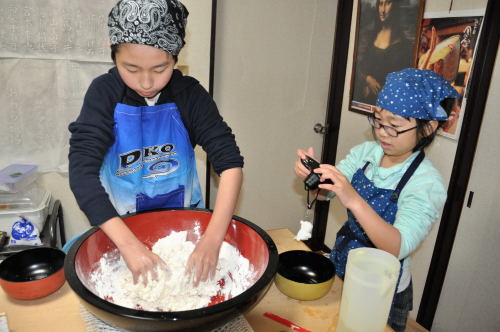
<point>17,177</point>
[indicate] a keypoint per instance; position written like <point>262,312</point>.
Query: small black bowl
<point>304,275</point>
<point>33,273</point>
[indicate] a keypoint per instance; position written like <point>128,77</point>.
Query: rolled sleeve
<point>419,206</point>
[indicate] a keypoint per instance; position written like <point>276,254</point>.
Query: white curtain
<point>50,50</point>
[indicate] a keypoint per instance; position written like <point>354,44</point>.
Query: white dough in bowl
<point>173,291</point>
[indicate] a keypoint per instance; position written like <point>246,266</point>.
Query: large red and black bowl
<point>252,242</point>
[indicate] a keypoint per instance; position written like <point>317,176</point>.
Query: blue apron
<point>383,201</point>
<point>151,164</point>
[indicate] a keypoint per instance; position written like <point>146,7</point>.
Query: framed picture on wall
<point>387,35</point>
<point>447,46</point>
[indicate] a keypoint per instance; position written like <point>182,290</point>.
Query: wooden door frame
<point>213,26</point>
<point>477,95</point>
<point>333,113</point>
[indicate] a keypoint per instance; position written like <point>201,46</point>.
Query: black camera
<point>313,179</point>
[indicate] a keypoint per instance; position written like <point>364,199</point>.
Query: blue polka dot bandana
<point>157,23</point>
<point>416,93</point>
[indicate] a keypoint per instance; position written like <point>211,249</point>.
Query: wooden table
<point>60,311</point>
<point>320,315</point>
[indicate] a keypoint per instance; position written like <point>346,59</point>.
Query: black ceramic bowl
<point>32,273</point>
<point>252,242</point>
<point>304,275</point>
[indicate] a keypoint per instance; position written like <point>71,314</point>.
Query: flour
<point>173,291</point>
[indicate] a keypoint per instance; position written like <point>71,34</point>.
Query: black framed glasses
<point>391,131</point>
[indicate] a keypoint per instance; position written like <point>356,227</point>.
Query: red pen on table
<point>285,322</point>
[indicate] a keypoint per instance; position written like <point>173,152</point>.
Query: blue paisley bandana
<point>416,93</point>
<point>158,23</point>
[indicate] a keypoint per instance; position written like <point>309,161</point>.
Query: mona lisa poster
<point>386,41</point>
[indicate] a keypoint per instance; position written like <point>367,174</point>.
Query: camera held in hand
<point>313,179</point>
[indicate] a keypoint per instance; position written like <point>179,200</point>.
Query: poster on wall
<point>387,35</point>
<point>447,46</point>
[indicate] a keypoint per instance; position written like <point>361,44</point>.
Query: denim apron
<point>383,201</point>
<point>151,164</point>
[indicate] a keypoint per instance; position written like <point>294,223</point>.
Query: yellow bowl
<point>304,275</point>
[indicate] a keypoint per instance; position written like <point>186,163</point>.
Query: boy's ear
<point>431,127</point>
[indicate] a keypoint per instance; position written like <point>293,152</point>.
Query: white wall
<point>272,71</point>
<point>354,129</point>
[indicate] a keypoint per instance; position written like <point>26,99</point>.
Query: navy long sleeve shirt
<point>92,134</point>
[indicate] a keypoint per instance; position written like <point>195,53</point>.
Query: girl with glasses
<point>392,192</point>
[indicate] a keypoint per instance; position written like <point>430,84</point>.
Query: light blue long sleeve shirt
<point>420,202</point>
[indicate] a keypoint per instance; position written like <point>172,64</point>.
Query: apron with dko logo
<point>151,164</point>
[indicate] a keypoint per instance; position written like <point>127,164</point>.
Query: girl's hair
<point>423,126</point>
<point>115,48</point>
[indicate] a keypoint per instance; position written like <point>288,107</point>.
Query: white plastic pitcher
<point>369,284</point>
